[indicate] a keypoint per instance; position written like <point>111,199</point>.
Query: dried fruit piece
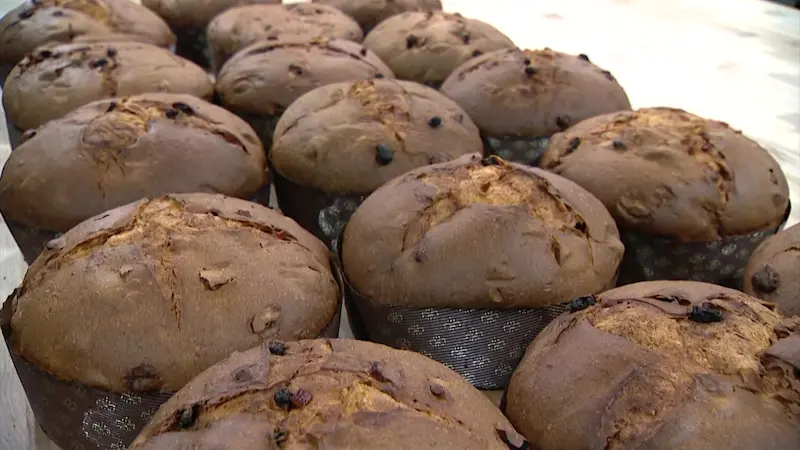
<point>301,398</point>
<point>277,348</point>
<point>383,154</point>
<point>283,398</point>
<point>187,417</point>
<point>435,121</point>
<point>766,279</point>
<point>581,303</point>
<point>705,313</point>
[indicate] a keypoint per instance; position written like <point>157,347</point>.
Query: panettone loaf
<point>480,233</point>
<point>662,366</point>
<point>55,79</point>
<point>369,13</point>
<point>144,297</point>
<point>773,272</point>
<point>331,394</point>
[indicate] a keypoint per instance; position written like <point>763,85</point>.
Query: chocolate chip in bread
<point>662,365</point>
<point>772,272</point>
<point>427,47</point>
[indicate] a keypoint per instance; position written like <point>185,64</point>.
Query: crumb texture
<point>670,173</point>
<point>662,365</point>
<point>148,295</point>
<point>333,394</point>
<point>512,237</point>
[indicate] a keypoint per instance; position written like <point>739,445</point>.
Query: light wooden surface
<point>732,60</point>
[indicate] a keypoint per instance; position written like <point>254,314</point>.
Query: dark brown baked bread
<point>515,92</point>
<point>662,366</point>
<point>55,79</point>
<point>239,27</point>
<point>369,13</point>
<point>113,152</point>
<point>474,233</point>
<point>196,14</point>
<point>331,394</point>
<point>427,47</point>
<point>266,77</point>
<point>37,22</point>
<point>148,295</point>
<point>773,272</point>
<point>666,172</point>
<point>353,137</point>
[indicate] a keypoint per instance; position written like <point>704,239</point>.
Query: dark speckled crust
<point>239,27</point>
<point>635,372</point>
<point>327,140</point>
<point>363,396</point>
<point>37,22</point>
<point>773,273</point>
<point>427,47</point>
<point>369,13</point>
<point>55,79</point>
<point>113,152</point>
<point>504,100</point>
<point>266,77</point>
<point>148,295</point>
<point>461,235</point>
<point>669,173</point>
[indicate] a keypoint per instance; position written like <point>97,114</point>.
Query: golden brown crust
<point>369,13</point>
<point>427,47</point>
<point>361,396</point>
<point>773,272</point>
<point>194,13</point>
<point>647,369</point>
<point>670,173</point>
<point>113,152</point>
<point>239,27</point>
<point>146,296</point>
<point>266,77</point>
<point>464,235</point>
<point>535,93</point>
<point>55,79</point>
<point>35,23</point>
<point>328,139</point>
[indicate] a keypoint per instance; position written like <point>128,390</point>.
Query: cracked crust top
<point>37,22</point>
<point>353,137</point>
<point>475,233</point>
<point>196,13</point>
<point>369,13</point>
<point>670,173</point>
<point>113,152</point>
<point>773,272</point>
<point>55,79</point>
<point>239,27</point>
<point>427,47</point>
<point>533,93</point>
<point>664,365</point>
<point>146,296</point>
<point>266,77</point>
<point>332,394</point>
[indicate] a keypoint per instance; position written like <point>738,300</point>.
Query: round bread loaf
<point>239,27</point>
<point>666,172</point>
<point>36,22</point>
<point>113,152</point>
<point>473,233</point>
<point>369,13</point>
<point>265,78</point>
<point>193,14</point>
<point>332,394</point>
<point>773,273</point>
<point>533,93</point>
<point>427,47</point>
<point>354,137</point>
<point>663,366</point>
<point>54,80</point>
<point>148,295</point>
